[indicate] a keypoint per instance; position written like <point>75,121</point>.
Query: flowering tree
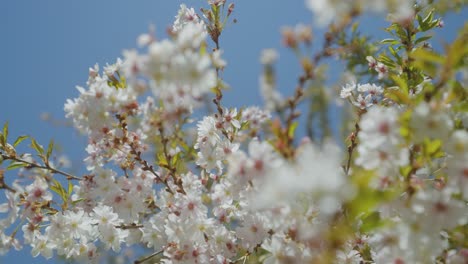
<point>170,169</point>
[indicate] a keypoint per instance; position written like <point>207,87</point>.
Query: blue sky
<point>47,47</point>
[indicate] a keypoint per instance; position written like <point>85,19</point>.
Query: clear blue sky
<point>47,47</point>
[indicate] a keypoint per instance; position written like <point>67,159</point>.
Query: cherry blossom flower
<point>41,246</point>
<point>185,16</point>
<point>268,56</point>
<point>380,138</point>
<point>329,11</point>
<point>347,90</point>
<point>199,187</point>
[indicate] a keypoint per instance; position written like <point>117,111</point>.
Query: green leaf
<point>460,92</point>
<point>400,31</point>
<point>398,96</point>
<point>292,129</point>
<point>16,165</point>
<point>261,256</point>
<point>19,140</point>
<point>366,253</point>
<point>420,20</point>
<point>366,201</point>
<point>421,39</point>
<point>405,132</point>
<point>395,54</point>
<point>5,131</point>
<point>427,60</point>
<point>37,147</point>
<point>162,162</point>
<point>203,49</point>
<point>405,170</point>
<point>4,135</point>
<point>50,147</point>
<point>58,188</point>
<point>427,55</point>
<point>458,51</point>
<point>427,23</point>
<point>401,83</point>
<point>461,107</point>
<point>386,60</point>
<point>120,83</point>
<point>397,30</point>
<point>175,159</point>
<point>55,189</point>
<point>429,17</point>
<point>70,188</point>
<point>77,201</point>
<point>371,222</point>
<point>432,146</point>
<point>390,41</point>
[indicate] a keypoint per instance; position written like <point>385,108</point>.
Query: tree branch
<point>45,167</point>
<point>139,261</point>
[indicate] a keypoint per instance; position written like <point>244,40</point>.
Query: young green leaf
<point>37,147</point>
<point>292,129</point>
<point>5,130</point>
<point>58,188</point>
<point>398,95</point>
<point>19,140</point>
<point>390,41</point>
<point>16,165</point>
<point>50,147</point>
<point>5,134</point>
<point>2,141</point>
<point>421,39</point>
<point>371,222</point>
<point>70,188</point>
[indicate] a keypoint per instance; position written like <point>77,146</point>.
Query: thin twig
<point>45,167</point>
<point>148,257</point>
<point>125,227</point>
<point>172,169</point>
<point>137,154</point>
<point>352,146</point>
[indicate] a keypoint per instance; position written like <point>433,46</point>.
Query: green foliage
<point>50,147</point>
<point>4,135</point>
<point>62,192</point>
<point>427,23</point>
<point>16,165</point>
<point>397,95</point>
<point>37,147</point>
<point>367,197</point>
<point>117,81</point>
<point>19,140</point>
<point>410,63</point>
<point>370,222</point>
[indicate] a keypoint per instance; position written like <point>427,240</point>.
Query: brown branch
<point>3,185</point>
<point>132,226</point>
<point>168,157</point>
<point>147,167</point>
<point>352,146</point>
<point>137,154</point>
<point>45,167</point>
<point>139,261</point>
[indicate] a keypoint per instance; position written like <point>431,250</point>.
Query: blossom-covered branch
<point>244,184</point>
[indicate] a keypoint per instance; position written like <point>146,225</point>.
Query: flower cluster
<point>367,94</point>
<point>241,184</point>
<point>328,11</point>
